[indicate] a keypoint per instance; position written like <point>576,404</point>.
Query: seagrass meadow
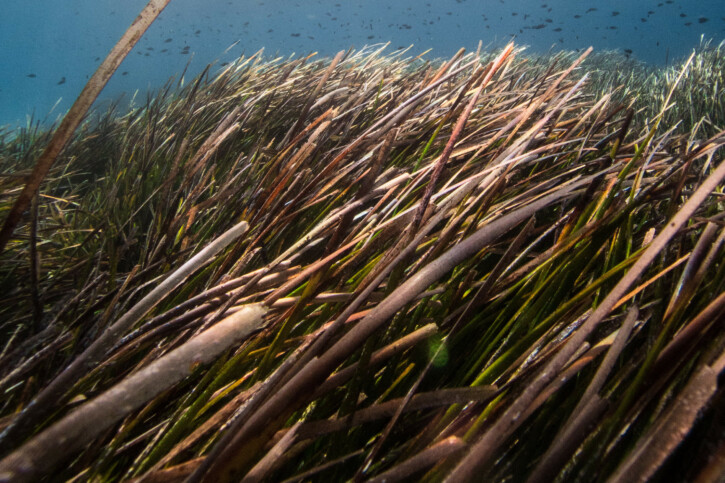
<point>498,267</point>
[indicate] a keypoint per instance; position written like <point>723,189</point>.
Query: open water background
<point>49,48</point>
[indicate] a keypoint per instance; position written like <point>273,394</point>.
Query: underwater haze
<point>49,49</point>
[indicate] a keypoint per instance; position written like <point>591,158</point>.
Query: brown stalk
<point>683,342</point>
<point>53,394</point>
<point>227,126</point>
<point>394,255</point>
<point>457,130</point>
<point>366,183</point>
<point>378,357</point>
<point>373,132</point>
<point>442,70</point>
<point>325,466</point>
<point>214,422</point>
<point>30,344</point>
<point>35,302</point>
<point>546,95</point>
<point>251,404</point>
<point>421,401</point>
<point>483,450</point>
<point>365,289</point>
<point>76,113</point>
<point>310,100</point>
<point>48,349</point>
<point>421,461</point>
<point>266,464</point>
<point>667,434</point>
<point>314,371</point>
<point>482,293</point>
<point>570,371</point>
<point>175,473</point>
<point>51,447</point>
<point>692,274</point>
<point>590,405</point>
<point>308,272</point>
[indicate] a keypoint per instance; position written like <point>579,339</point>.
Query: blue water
<point>49,49</point>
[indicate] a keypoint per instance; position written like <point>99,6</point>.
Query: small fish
<point>32,76</point>
<point>702,19</point>
<point>61,81</point>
